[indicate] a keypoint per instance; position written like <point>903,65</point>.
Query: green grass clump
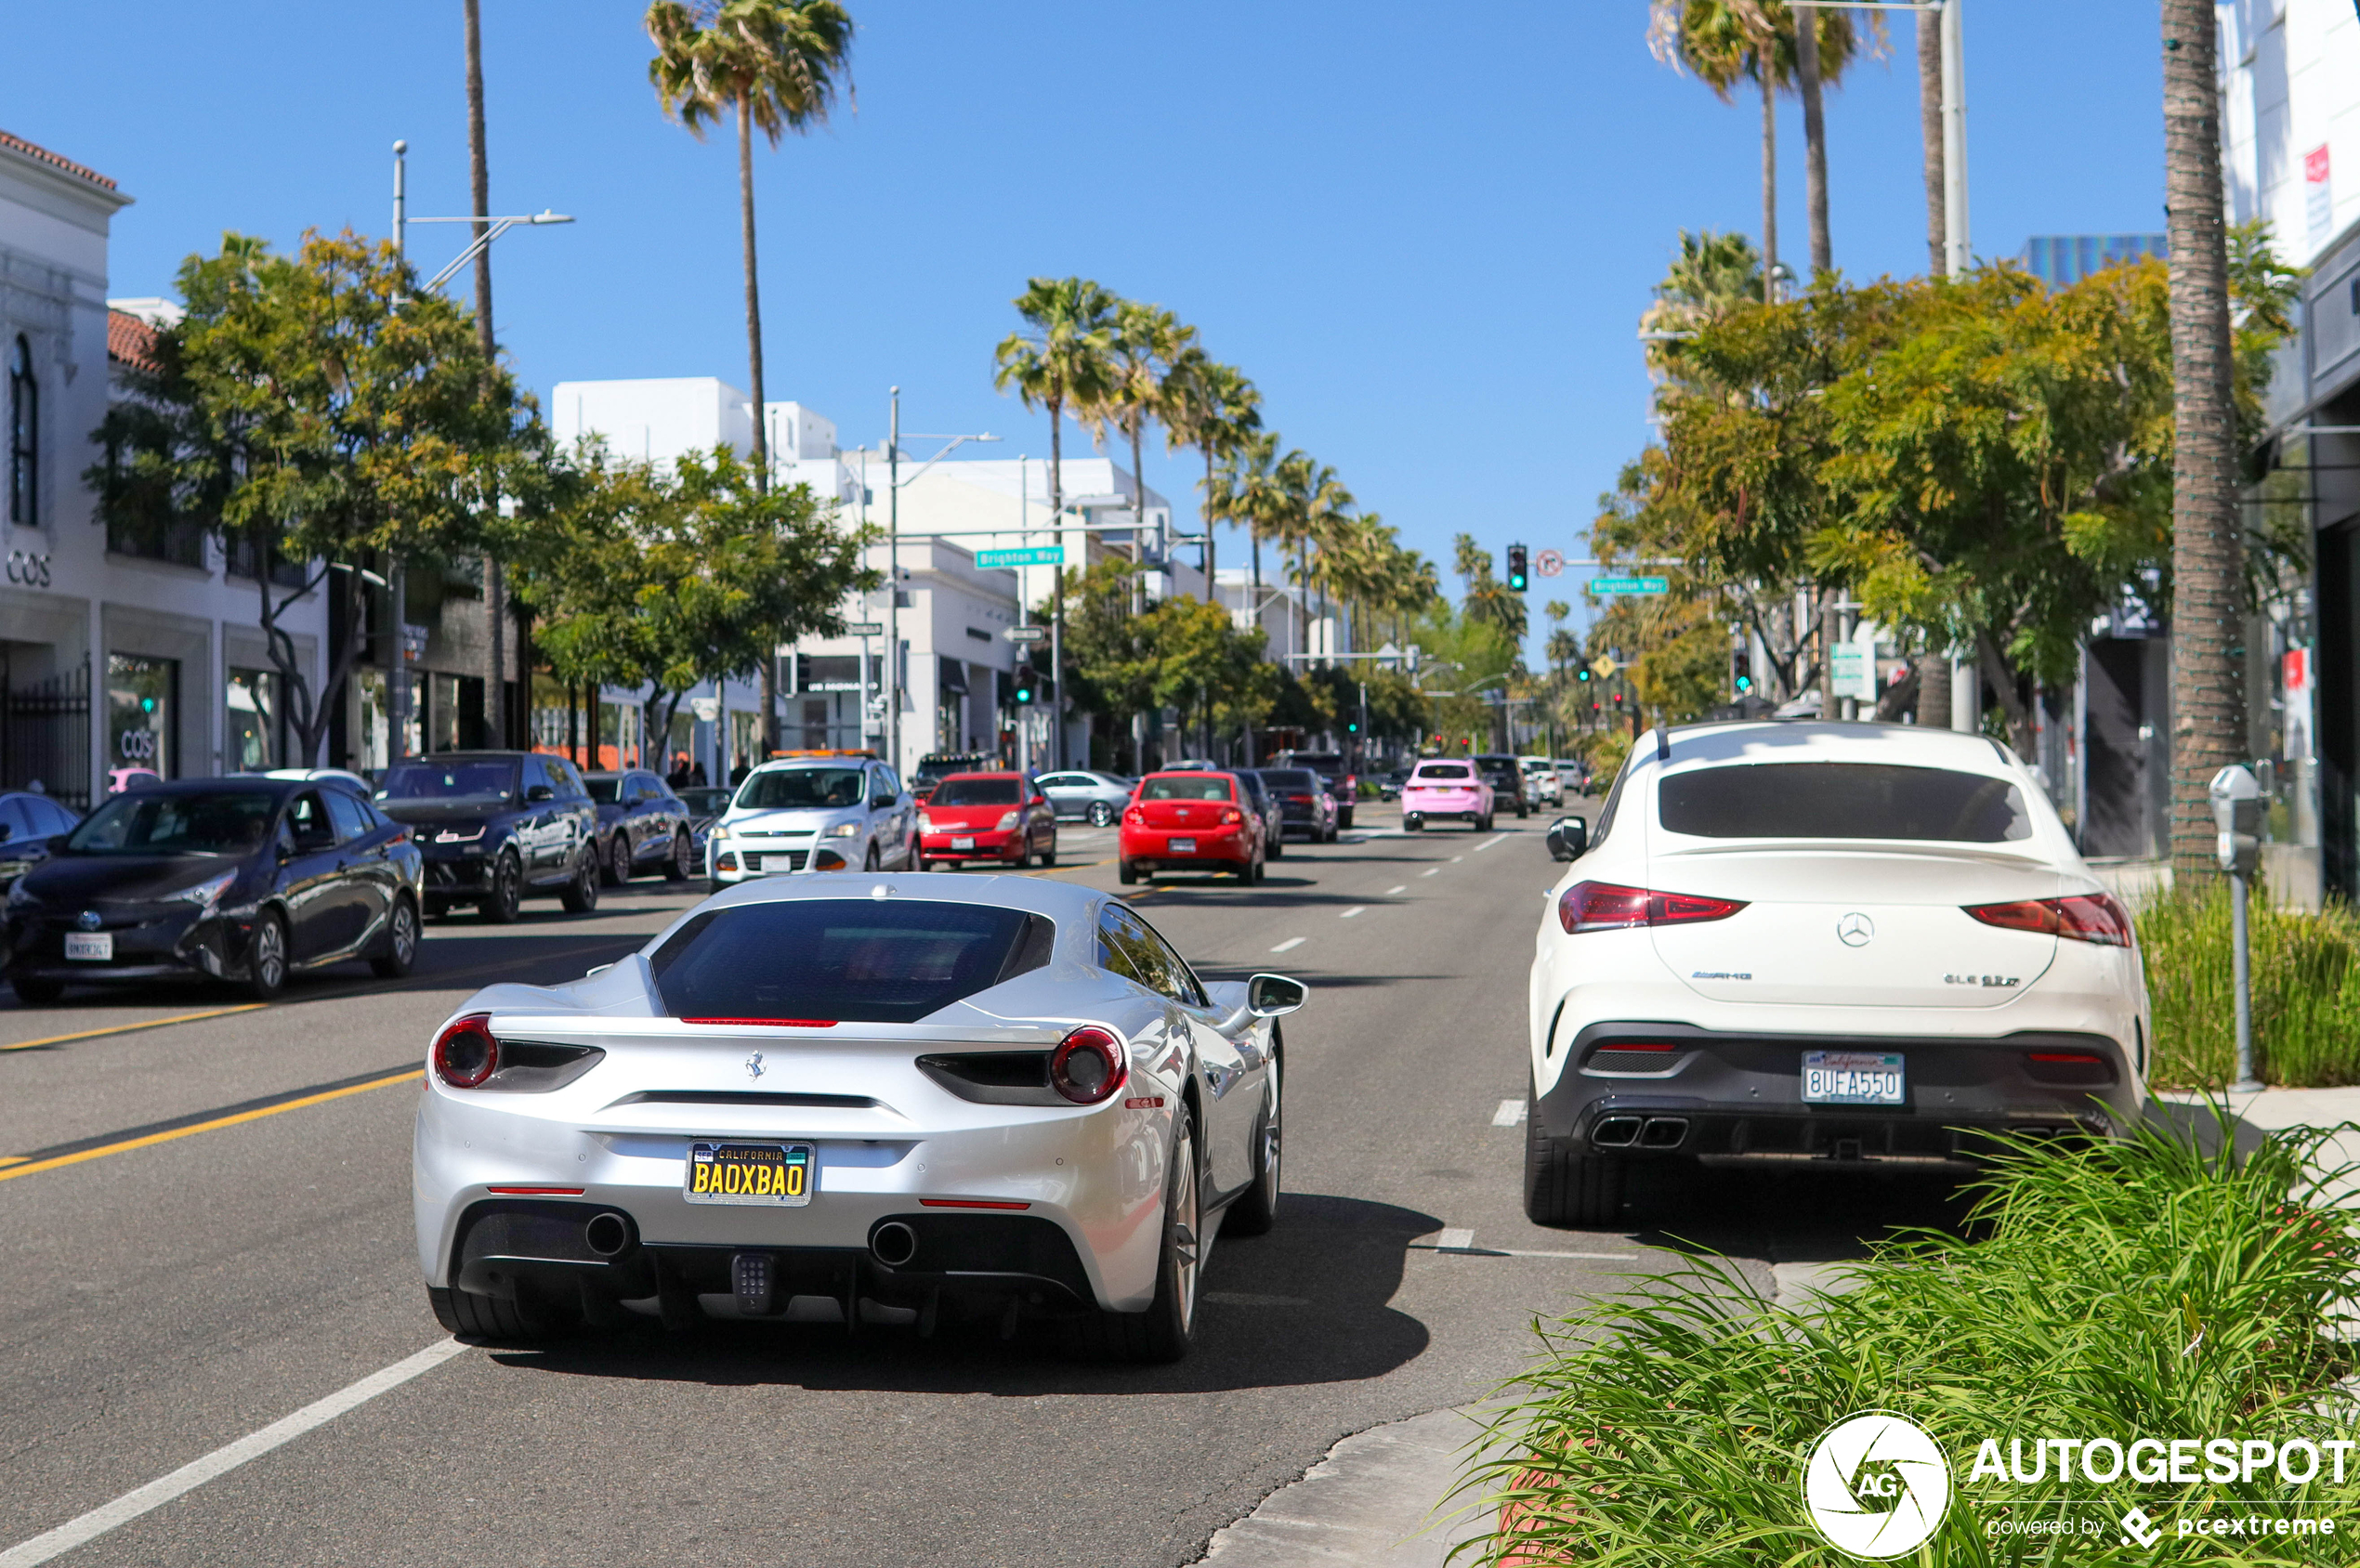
<point>2141,1289</point>
<point>2306,991</point>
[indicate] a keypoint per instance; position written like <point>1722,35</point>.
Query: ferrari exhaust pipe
<point>893,1244</point>
<point>607,1235</point>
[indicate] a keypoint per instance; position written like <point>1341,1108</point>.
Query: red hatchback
<point>1192,822</point>
<point>1001,817</point>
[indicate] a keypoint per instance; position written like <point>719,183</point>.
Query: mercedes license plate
<point>963,843</point>
<point>1184,846</point>
<point>83,945</point>
<point>764,1175</point>
<point>1853,1077</point>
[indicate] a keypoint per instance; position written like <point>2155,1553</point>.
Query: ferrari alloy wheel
<point>1162,1332</point>
<point>267,956</point>
<point>400,950</point>
<point>506,899</point>
<point>1100,814</point>
<point>678,864</point>
<point>581,896</point>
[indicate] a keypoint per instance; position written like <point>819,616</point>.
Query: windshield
<point>231,823</point>
<point>1843,800</point>
<point>424,780</point>
<point>792,789</point>
<point>607,792</point>
<point>1181,787</point>
<point>977,791</point>
<point>843,961</point>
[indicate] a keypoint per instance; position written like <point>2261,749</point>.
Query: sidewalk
<point>1375,1500</point>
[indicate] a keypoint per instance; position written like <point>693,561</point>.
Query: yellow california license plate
<point>763,1175</point>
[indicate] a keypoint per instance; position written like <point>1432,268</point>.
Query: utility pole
<point>398,694</point>
<point>1954,142</point>
<point>893,582</point>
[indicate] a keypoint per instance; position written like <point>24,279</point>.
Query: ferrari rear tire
<point>676,864</point>
<point>1161,1333</point>
<point>1561,1187</point>
<point>581,897</point>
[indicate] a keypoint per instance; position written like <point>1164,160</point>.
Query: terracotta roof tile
<point>130,340</point>
<point>19,144</point>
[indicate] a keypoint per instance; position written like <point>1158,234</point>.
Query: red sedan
<point>1192,822</point>
<point>1001,817</point>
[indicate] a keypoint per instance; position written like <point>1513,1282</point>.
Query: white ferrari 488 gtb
<point>1868,946</point>
<point>856,1099</point>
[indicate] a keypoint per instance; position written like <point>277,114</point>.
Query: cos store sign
<point>26,569</point>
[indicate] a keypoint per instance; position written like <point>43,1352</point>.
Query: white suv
<point>1541,781</point>
<point>813,813</point>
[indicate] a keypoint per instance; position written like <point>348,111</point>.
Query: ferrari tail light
<point>1589,905</point>
<point>2085,917</point>
<point>464,1053</point>
<point>1087,1065</point>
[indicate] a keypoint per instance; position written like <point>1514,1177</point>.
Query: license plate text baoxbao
<point>755,1175</point>
<point>1854,1077</point>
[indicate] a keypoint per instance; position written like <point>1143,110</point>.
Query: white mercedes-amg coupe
<point>1864,944</point>
<point>855,1099</point>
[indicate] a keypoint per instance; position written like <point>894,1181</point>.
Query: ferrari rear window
<point>1843,800</point>
<point>843,960</point>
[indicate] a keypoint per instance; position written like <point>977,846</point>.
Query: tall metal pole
<point>2241,974</point>
<point>398,695</point>
<point>1023,617</point>
<point>1958,253</point>
<point>893,583</point>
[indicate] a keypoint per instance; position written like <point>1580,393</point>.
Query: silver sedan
<point>1081,796</point>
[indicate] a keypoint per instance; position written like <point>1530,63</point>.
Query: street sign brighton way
<point>1549,563</point>
<point>1025,634</point>
<point>864,628</point>
<point>1630,585</point>
<point>1036,555</point>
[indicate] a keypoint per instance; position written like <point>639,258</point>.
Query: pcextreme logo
<point>1876,1485</point>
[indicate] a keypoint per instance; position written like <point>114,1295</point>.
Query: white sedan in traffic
<point>860,1100</point>
<point>1866,946</point>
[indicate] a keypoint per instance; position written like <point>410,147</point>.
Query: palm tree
<point>495,615</point>
<point>775,64</point>
<point>1065,364</point>
<point>1148,339</point>
<point>2207,651</point>
<point>1214,408</point>
<point>1251,490</point>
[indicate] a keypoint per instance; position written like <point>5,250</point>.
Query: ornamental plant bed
<point>2145,1288</point>
<point>2306,989</point>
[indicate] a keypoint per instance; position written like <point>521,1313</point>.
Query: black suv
<point>646,826</point>
<point>497,828</point>
<point>1343,788</point>
<point>1505,775</point>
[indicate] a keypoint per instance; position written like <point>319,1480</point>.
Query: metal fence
<point>44,736</point>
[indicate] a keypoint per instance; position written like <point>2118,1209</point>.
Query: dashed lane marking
<point>1459,1240</point>
<point>1356,909</point>
<point>222,1460</point>
<point>1431,872</point>
<point>1454,1238</point>
<point>1487,843</point>
<point>1291,944</point>
<point>1456,859</point>
<point>1390,891</point>
<point>1510,1114</point>
<point>202,1121</point>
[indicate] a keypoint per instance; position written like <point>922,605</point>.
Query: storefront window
<point>142,701</point>
<point>256,722</point>
<point>375,728</point>
<point>444,708</point>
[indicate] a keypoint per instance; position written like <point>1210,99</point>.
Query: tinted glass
<point>977,791</point>
<point>1180,983</point>
<point>606,790</point>
<point>1289,778</point>
<point>427,780</point>
<point>562,774</point>
<point>847,960</point>
<point>1123,948</point>
<point>231,823</point>
<point>1179,787</point>
<point>1065,781</point>
<point>351,818</point>
<point>1842,801</point>
<point>705,800</point>
<point>802,787</point>
<point>1445,770</point>
<point>16,816</point>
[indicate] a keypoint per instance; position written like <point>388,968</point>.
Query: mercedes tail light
<point>1589,905</point>
<point>2085,917</point>
<point>1087,1065</point>
<point>464,1053</point>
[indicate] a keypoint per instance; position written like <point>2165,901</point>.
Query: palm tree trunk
<point>1930,128</point>
<point>1211,593</point>
<point>769,682</point>
<point>1769,184</point>
<point>2208,645</point>
<point>495,674</point>
<point>1057,581</point>
<point>1814,138</point>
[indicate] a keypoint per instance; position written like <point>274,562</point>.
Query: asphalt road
<point>207,1230</point>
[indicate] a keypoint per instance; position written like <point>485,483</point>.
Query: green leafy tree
<point>316,413</point>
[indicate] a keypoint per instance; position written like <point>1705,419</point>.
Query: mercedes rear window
<point>1842,801</point>
<point>843,960</point>
<point>977,791</point>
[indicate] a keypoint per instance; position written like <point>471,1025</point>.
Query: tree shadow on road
<point>1307,1303</point>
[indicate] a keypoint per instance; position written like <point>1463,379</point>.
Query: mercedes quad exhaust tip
<point>1664,1132</point>
<point>607,1235</point>
<point>1616,1132</point>
<point>1643,1132</point>
<point>893,1244</point>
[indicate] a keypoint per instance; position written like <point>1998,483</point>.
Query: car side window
<point>60,820</point>
<point>16,816</point>
<point>1123,947</point>
<point>1614,798</point>
<point>348,815</point>
<point>308,818</point>
<point>569,785</point>
<point>1183,984</point>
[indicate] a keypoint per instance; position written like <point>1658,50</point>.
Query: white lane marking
<point>1510,1114</point>
<point>222,1460</point>
<point>1454,1238</point>
<point>1432,871</point>
<point>1391,891</point>
<point>1356,908</point>
<point>1488,842</point>
<point>1456,859</point>
<point>1291,944</point>
<point>1441,1244</point>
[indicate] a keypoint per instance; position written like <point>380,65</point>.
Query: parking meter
<point>2237,819</point>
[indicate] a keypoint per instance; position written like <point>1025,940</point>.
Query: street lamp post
<point>894,481</point>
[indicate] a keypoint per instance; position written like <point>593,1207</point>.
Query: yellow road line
<point>6,1160</point>
<point>12,1172</point>
<point>129,1028</point>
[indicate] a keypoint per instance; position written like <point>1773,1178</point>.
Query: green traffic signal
<point>1519,572</point>
<point>1583,675</point>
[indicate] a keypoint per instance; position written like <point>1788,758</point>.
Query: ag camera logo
<point>1876,1485</point>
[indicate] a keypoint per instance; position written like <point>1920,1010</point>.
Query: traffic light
<point>1582,675</point>
<point>1352,726</point>
<point>1742,672</point>
<point>1519,574</point>
<point>1025,682</point>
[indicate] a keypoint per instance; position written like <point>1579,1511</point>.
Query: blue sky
<point>1426,233</point>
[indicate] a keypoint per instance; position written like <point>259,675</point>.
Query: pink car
<point>1440,787</point>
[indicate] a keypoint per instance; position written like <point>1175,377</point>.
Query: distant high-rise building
<point>2060,259</point>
